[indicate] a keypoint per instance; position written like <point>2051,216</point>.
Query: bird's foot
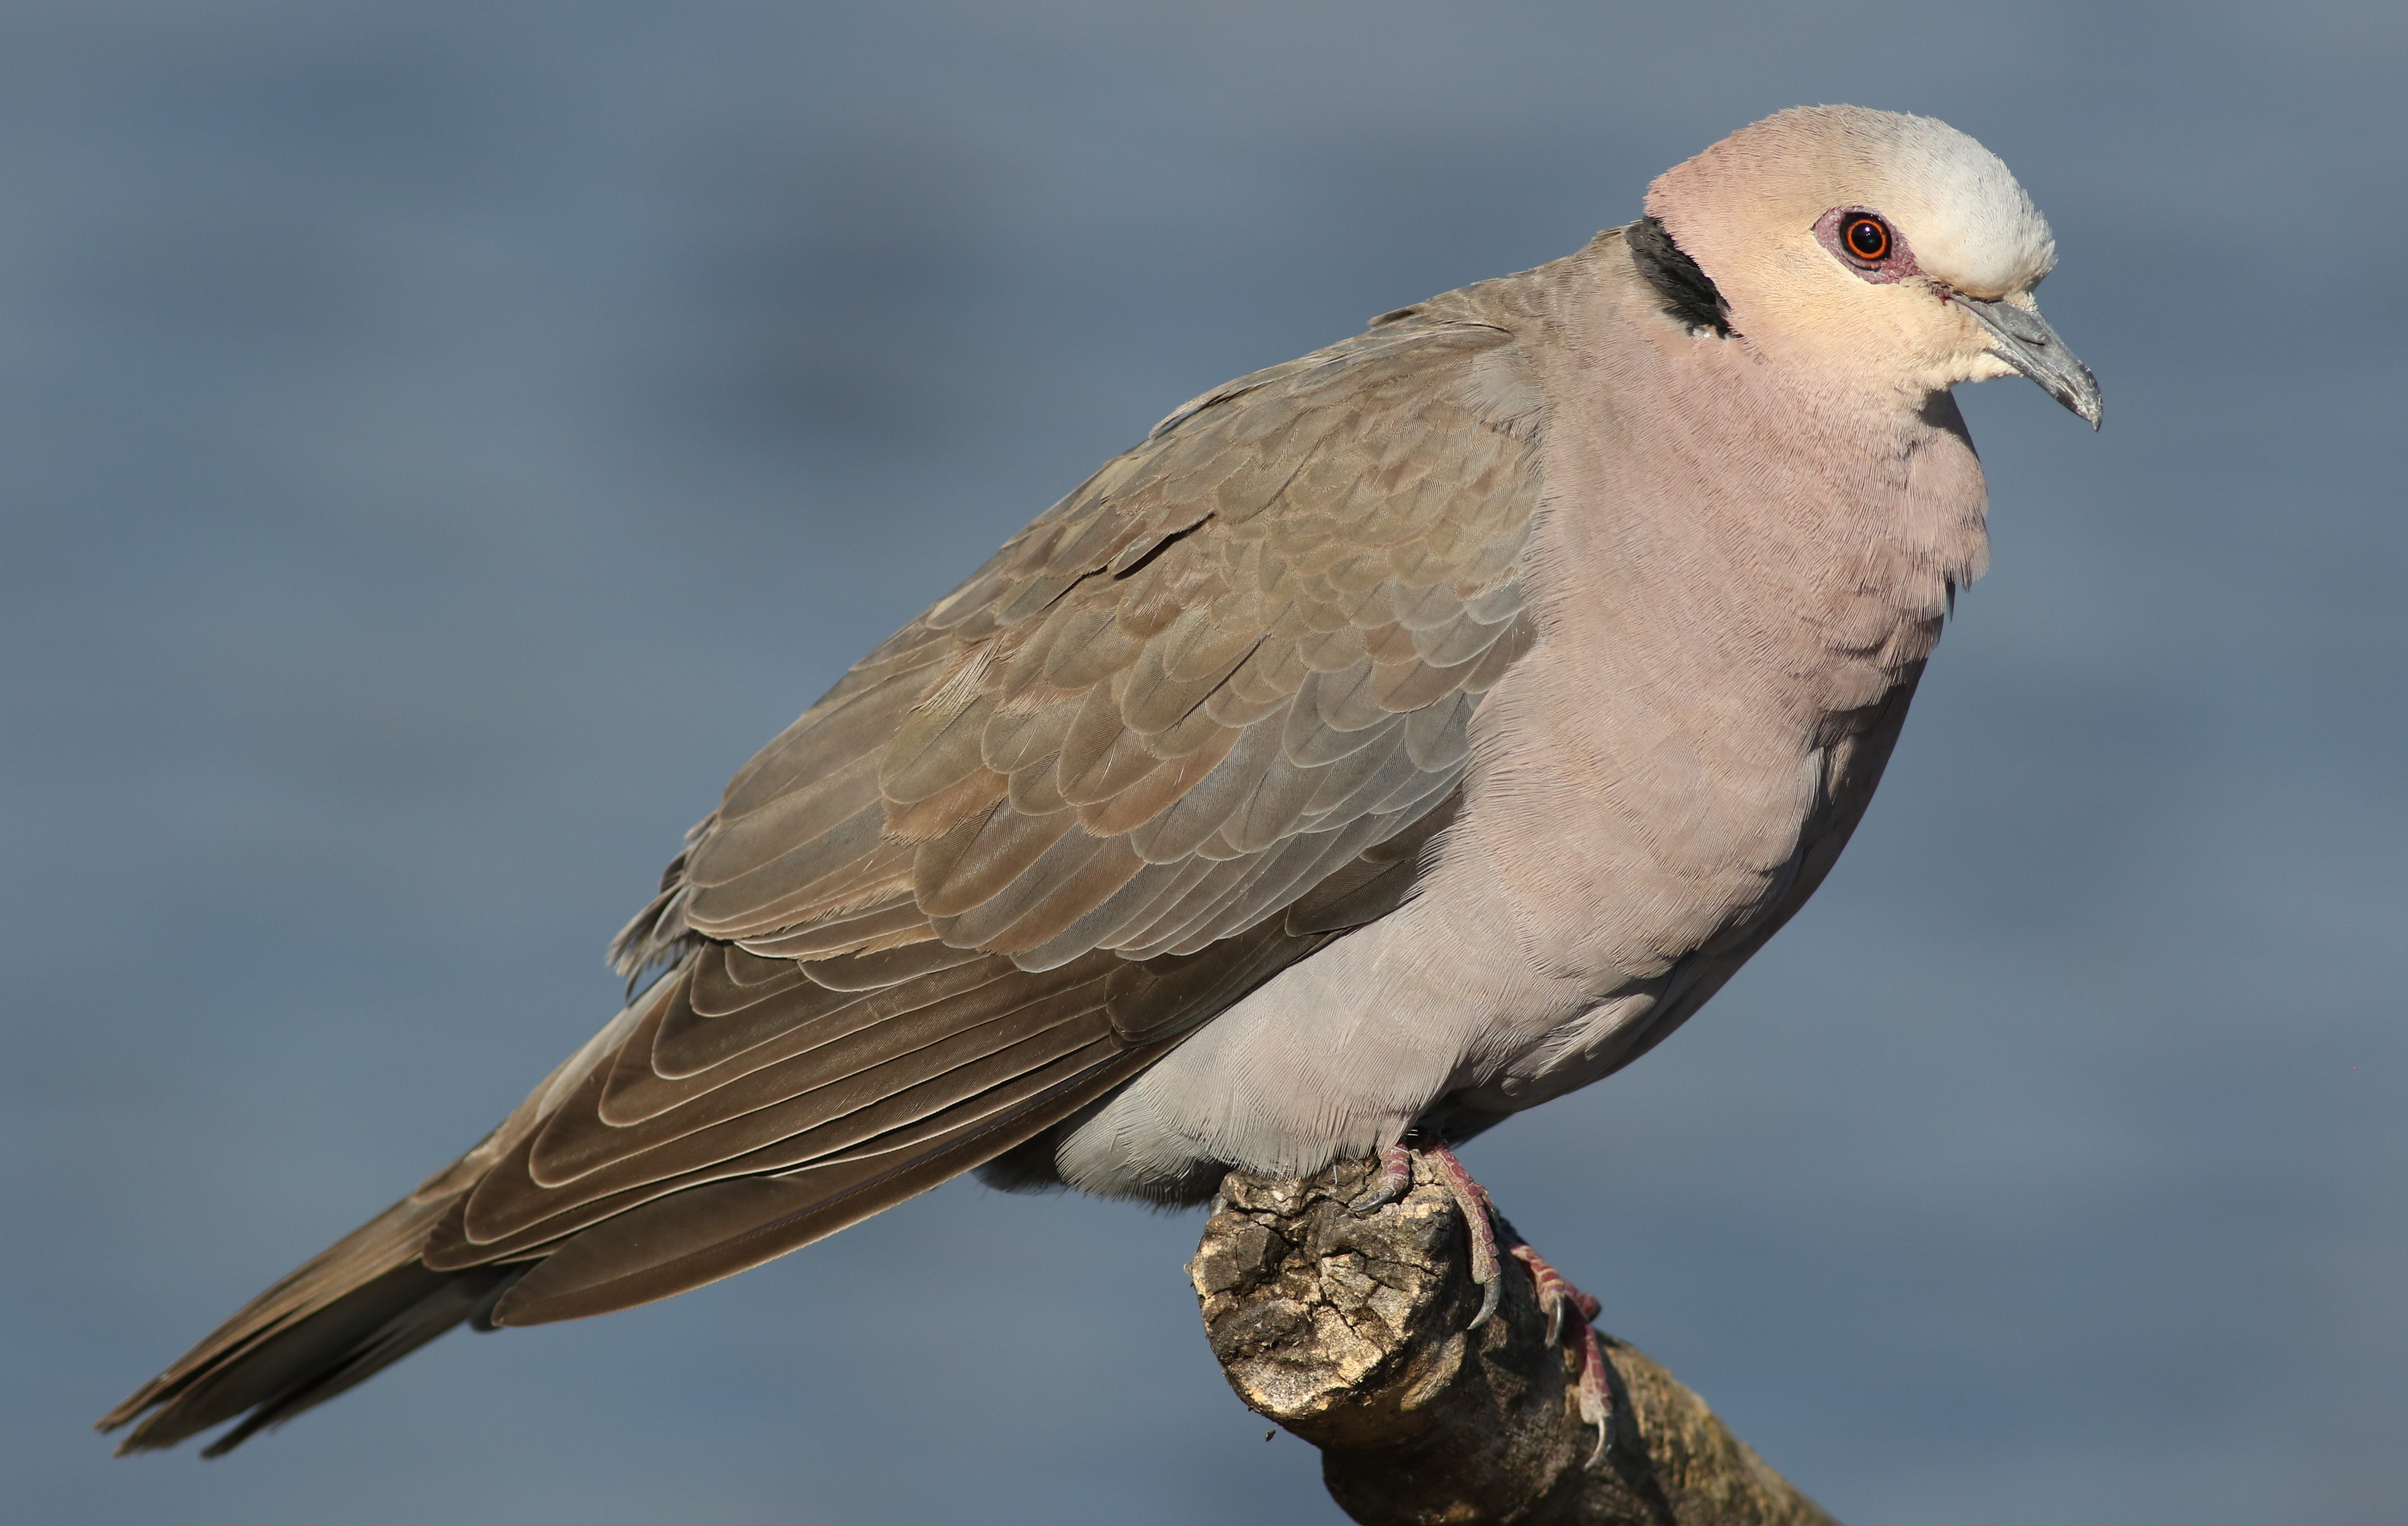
<point>1563,1304</point>
<point>1396,1178</point>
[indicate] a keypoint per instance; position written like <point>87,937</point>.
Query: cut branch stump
<point>1349,1329</point>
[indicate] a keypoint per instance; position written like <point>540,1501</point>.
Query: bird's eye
<point>1867,238</point>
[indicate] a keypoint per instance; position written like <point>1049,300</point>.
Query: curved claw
<point>1491,1293</point>
<point>1595,1398</point>
<point>1395,1179</point>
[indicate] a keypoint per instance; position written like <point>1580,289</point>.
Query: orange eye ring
<point>1866,237</point>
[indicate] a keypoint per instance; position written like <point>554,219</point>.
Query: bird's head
<point>1892,249</point>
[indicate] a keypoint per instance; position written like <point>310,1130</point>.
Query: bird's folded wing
<point>1192,722</point>
<point>1196,720</point>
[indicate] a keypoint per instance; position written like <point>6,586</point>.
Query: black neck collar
<point>1688,293</point>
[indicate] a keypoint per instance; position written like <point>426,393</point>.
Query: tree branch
<point>1349,1329</point>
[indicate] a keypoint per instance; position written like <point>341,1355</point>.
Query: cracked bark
<point>1349,1330</point>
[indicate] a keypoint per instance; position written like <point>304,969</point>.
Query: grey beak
<point>2024,340</point>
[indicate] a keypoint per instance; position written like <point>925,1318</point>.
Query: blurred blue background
<point>439,441</point>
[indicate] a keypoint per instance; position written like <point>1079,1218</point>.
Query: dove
<point>1393,740</point>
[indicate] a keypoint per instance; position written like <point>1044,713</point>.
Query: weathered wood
<point>1349,1329</point>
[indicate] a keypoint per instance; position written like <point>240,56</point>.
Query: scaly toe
<point>1395,1179</point>
<point>1595,1396</point>
<point>1553,1291</point>
<point>1473,1201</point>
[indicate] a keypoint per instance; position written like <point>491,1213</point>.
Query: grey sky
<point>439,441</point>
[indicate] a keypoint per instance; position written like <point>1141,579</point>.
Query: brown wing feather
<point>1194,721</point>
